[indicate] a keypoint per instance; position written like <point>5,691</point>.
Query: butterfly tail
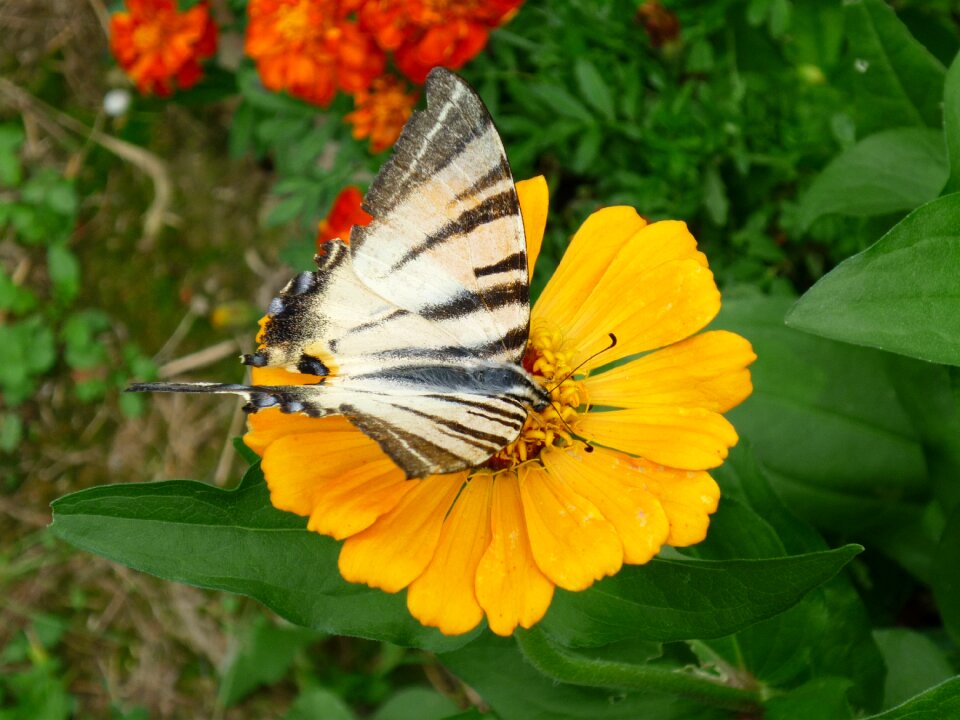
<point>294,399</point>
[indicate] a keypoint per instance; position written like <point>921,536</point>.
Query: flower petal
<point>571,541</point>
<point>591,250</point>
<point>341,480</point>
<point>687,438</point>
<point>272,424</point>
<point>511,589</point>
<point>688,498</point>
<point>534,203</point>
<point>605,479</point>
<point>443,596</point>
<point>394,551</point>
<point>706,371</point>
<point>671,302</point>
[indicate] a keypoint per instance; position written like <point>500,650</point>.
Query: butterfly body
<point>417,328</point>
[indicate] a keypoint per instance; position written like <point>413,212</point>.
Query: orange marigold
<point>310,48</point>
<point>160,47</point>
<point>426,33</point>
<point>381,112</point>
<point>345,213</point>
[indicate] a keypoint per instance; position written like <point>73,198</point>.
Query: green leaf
<point>668,600</point>
<point>951,123</point>
<point>11,139</point>
<point>593,88</point>
<point>416,703</point>
<point>946,575</point>
<point>11,432</point>
<point>824,699</point>
<point>14,298</point>
<point>263,657</point>
<point>236,541</point>
<point>516,691</point>
<point>64,272</point>
<point>715,196</point>
<point>823,419</point>
<point>827,634</point>
<point>319,703</point>
<point>914,664</point>
<point>892,171</point>
<point>896,81</point>
<point>939,703</point>
<point>559,100</point>
<point>898,295</point>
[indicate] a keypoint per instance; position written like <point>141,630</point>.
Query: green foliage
<point>812,143</point>
<point>900,294</point>
<point>41,326</point>
<point>33,683</point>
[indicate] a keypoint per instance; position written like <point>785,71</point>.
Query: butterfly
<point>417,328</point>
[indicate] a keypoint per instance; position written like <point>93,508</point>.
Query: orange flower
<point>426,33</point>
<point>345,213</point>
<point>381,112</point>
<point>310,48</point>
<point>549,510</point>
<point>159,47</point>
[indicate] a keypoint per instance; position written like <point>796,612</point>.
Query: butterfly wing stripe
<point>498,206</point>
<point>467,302</point>
<point>511,263</point>
<point>414,454</point>
<point>483,440</point>
<point>514,415</point>
<point>488,180</point>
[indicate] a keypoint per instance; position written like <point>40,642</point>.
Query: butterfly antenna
<point>611,346</point>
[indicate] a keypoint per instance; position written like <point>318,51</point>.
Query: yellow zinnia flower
<point>549,510</point>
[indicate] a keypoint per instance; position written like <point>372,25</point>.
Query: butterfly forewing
<point>447,237</point>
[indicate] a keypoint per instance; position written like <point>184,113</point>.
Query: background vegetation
<point>789,135</point>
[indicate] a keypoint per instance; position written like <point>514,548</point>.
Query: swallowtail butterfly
<point>418,326</point>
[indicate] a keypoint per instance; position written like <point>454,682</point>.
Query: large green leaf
<point>827,634</point>
<point>892,171</point>
<point>516,691</point>
<point>951,123</point>
<point>826,423</point>
<point>915,664</point>
<point>939,703</point>
<point>900,294</point>
<point>669,600</point>
<point>235,540</point>
<point>895,79</point>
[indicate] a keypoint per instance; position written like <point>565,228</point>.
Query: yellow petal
<point>687,438</point>
<point>571,541</point>
<point>392,552</point>
<point>591,250</point>
<point>443,596</point>
<point>341,480</point>
<point>706,371</point>
<point>645,309</point>
<point>271,424</point>
<point>511,589</point>
<point>604,478</point>
<point>534,202</point>
<point>688,498</point>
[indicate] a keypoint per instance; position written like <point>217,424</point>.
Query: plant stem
<point>564,666</point>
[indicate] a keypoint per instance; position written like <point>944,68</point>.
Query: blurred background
<point>143,230</point>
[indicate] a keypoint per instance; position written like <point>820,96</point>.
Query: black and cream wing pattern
<point>418,326</point>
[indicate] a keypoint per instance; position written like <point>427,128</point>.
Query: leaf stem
<point>564,666</point>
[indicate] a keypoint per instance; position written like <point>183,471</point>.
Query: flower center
<point>550,366</point>
<point>299,22</point>
<point>150,35</point>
